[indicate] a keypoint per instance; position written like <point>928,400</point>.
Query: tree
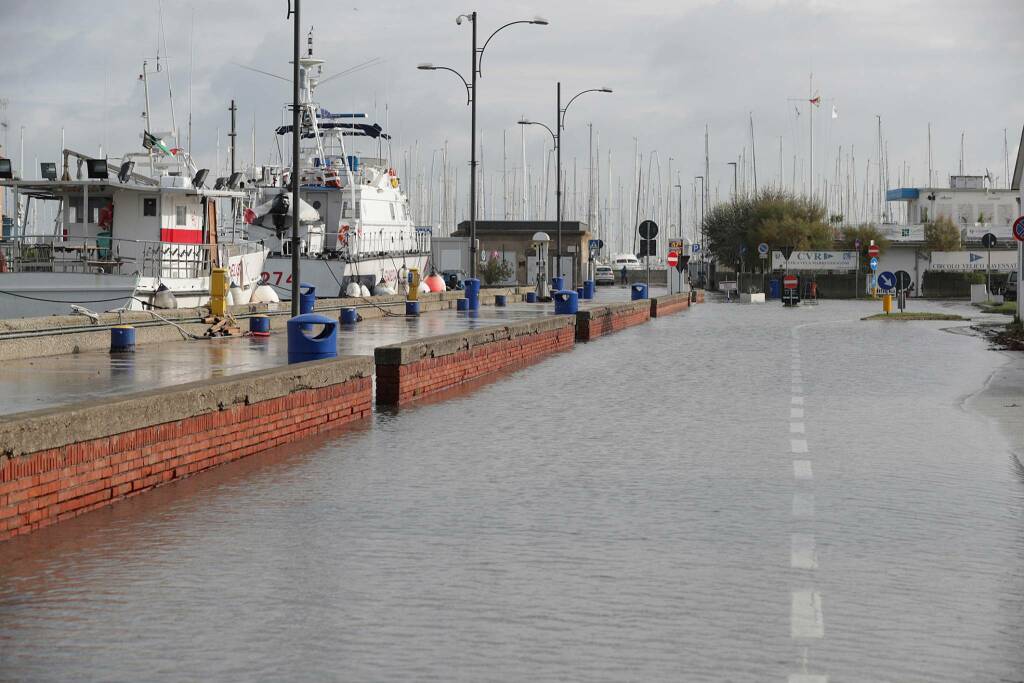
<point>775,217</point>
<point>942,234</point>
<point>495,269</point>
<point>865,232</point>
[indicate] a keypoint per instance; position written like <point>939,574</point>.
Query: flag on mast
<point>149,141</point>
<point>816,100</point>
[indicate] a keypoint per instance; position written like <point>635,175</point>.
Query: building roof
<point>572,228</point>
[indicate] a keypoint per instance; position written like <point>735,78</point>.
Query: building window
<point>181,216</point>
<point>391,205</point>
<point>149,206</point>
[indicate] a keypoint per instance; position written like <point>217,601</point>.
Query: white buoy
<point>164,298</point>
<point>383,290</point>
<point>240,295</point>
<point>364,290</point>
<point>264,294</point>
<point>353,290</point>
<point>424,288</point>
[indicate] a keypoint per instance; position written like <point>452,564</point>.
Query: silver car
<point>604,275</point>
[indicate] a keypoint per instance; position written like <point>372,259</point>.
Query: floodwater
<point>31,384</point>
<point>742,493</point>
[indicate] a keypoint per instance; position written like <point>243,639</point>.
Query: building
<point>513,242</point>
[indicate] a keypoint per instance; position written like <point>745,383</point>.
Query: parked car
<point>1010,293</point>
<point>453,278</point>
<point>604,275</point>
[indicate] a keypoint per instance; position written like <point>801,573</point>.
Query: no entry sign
<point>790,282</point>
<point>1018,229</point>
<point>873,250</point>
<point>673,259</point>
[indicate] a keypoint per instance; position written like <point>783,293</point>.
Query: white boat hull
<point>330,276</point>
<point>29,295</point>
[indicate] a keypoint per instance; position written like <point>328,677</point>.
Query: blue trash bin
<point>500,300</point>
<point>259,326</point>
<point>412,308</point>
<point>349,316</point>
<point>122,339</point>
<point>307,298</point>
<point>557,284</point>
<point>531,297</point>
<point>306,342</point>
<point>775,289</point>
<point>589,289</point>
<point>638,291</point>
<point>472,289</point>
<point>579,293</point>
<point>566,302</point>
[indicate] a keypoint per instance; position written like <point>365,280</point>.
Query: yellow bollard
<point>887,303</point>
<point>219,292</point>
<point>414,286</point>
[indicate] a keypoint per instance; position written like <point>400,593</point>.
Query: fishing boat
<point>355,231</point>
<point>121,239</point>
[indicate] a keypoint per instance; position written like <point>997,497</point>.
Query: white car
<point>604,275</point>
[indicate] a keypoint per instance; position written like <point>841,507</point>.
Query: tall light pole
<point>471,97</point>
<point>296,134</point>
<point>557,136</point>
<point>701,179</point>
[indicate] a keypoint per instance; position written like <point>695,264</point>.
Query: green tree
<point>942,234</point>
<point>495,269</point>
<point>865,232</point>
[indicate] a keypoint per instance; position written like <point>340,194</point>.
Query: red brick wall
<point>663,306</point>
<point>38,489</point>
<point>588,329</point>
<point>400,384</point>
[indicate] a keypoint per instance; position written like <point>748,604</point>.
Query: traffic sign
<point>673,259</point>
<point>677,244</point>
<point>1018,229</point>
<point>648,248</point>
<point>790,282</point>
<point>762,248</point>
<point>988,240</point>
<point>873,263</point>
<point>683,260</point>
<point>886,280</point>
<point>596,245</point>
<point>873,251</point>
<point>786,252</point>
<point>648,230</point>
<point>902,280</point>
<point>696,248</point>
<point>856,244</point>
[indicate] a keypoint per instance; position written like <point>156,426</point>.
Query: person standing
<point>625,277</point>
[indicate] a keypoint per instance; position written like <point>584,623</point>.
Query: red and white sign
<point>873,251</point>
<point>1018,229</point>
<point>790,282</point>
<point>673,259</point>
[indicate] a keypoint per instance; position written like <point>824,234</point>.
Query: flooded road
<point>741,493</point>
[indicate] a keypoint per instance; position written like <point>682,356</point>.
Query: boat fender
<point>353,289</point>
<point>164,298</point>
<point>364,290</point>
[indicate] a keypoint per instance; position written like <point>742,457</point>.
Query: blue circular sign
<point>1018,229</point>
<point>762,248</point>
<point>873,263</point>
<point>887,280</point>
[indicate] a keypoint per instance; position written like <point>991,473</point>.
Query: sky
<point>676,67</point>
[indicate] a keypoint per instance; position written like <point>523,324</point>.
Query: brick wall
<point>668,304</point>
<point>412,370</point>
<point>595,321</point>
<point>62,462</point>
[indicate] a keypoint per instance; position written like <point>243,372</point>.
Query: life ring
<point>331,178</point>
<point>344,234</point>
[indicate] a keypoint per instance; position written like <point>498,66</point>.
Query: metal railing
<point>164,260</point>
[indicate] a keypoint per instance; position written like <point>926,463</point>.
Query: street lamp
<point>471,97</point>
<point>702,276</point>
<point>557,137</point>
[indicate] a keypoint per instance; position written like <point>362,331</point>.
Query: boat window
<point>149,206</point>
<point>181,216</point>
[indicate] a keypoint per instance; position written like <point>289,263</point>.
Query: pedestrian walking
<point>625,278</point>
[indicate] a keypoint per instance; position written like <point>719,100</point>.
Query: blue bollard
<point>557,284</point>
<point>531,297</point>
<point>307,298</point>
<point>349,316</point>
<point>579,293</point>
<point>305,343</point>
<point>259,326</point>
<point>566,302</point>
<point>589,289</point>
<point>412,307</point>
<point>461,304</point>
<point>122,339</point>
<point>775,288</point>
<point>639,291</point>
<point>500,300</point>
<point>472,288</point>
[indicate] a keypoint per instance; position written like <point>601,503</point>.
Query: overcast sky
<point>675,66</point>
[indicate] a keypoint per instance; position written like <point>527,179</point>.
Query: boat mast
<point>145,89</point>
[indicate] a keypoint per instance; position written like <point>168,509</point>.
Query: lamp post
<point>557,137</point>
<point>471,97</point>
<point>702,277</point>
